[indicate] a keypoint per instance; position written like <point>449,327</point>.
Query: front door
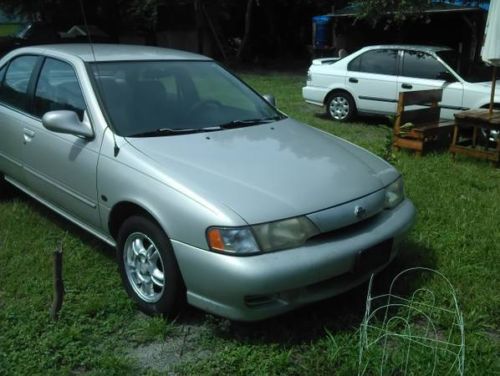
<point>61,168</point>
<point>422,71</point>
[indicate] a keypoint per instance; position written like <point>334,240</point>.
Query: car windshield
<point>469,71</point>
<point>162,98</point>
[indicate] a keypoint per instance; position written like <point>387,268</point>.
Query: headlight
<point>232,240</point>
<point>267,237</point>
<point>289,233</point>
<point>394,194</point>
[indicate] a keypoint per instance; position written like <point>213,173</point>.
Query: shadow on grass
<point>342,313</point>
<point>65,225</point>
<point>366,119</point>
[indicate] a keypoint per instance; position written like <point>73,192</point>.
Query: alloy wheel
<point>339,108</point>
<point>144,267</point>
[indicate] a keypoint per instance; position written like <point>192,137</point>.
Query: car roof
<point>416,47</point>
<point>111,52</point>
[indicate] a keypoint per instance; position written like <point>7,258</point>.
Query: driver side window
<point>58,89</point>
<point>422,65</point>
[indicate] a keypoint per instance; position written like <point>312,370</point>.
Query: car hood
<point>486,85</point>
<point>270,171</point>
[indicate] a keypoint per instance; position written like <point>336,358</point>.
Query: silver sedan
<point>207,191</point>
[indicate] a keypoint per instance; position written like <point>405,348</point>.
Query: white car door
<point>422,71</point>
<point>15,78</point>
<point>61,168</point>
<point>372,78</point>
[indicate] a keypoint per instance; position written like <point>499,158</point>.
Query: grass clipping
<point>422,334</point>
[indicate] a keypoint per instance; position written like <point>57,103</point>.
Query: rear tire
<point>148,267</point>
<point>340,106</point>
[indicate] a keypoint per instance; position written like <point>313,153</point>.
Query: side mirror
<point>67,122</point>
<point>447,76</point>
<point>270,99</point>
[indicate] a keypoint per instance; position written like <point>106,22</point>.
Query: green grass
<point>9,29</point>
<point>456,233</point>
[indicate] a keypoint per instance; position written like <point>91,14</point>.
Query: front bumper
<point>257,287</point>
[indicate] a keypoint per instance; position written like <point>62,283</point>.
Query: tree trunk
<point>248,27</point>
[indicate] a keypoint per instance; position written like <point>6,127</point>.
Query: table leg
<point>454,141</point>
<point>474,137</point>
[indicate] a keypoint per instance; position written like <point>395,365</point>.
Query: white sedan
<point>369,80</point>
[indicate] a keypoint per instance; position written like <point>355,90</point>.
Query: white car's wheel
<point>148,267</point>
<point>340,106</point>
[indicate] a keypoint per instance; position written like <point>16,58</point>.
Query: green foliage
<point>398,10</point>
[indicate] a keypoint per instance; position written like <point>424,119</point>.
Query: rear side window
<point>14,90</point>
<point>2,72</point>
<point>422,65</point>
<point>58,89</point>
<point>376,61</point>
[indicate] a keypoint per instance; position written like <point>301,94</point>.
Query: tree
<point>398,11</point>
<point>392,10</point>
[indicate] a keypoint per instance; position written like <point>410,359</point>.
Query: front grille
<point>346,231</point>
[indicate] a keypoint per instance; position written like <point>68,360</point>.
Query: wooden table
<point>466,143</point>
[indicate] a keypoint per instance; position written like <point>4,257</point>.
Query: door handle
<point>353,80</point>
<point>407,86</point>
<point>28,135</point>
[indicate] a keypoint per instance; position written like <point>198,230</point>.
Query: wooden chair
<point>419,129</point>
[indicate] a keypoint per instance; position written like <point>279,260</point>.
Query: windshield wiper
<point>248,122</point>
<point>229,125</point>
<point>171,131</point>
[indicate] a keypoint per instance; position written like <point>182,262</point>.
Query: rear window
<point>14,90</point>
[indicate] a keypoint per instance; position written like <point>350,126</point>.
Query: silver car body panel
<point>10,151</point>
<point>290,278</point>
<point>282,170</point>
<point>190,182</point>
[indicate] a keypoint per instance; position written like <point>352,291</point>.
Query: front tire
<point>340,106</point>
<point>148,267</point>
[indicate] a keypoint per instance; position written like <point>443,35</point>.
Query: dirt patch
<point>494,335</point>
<point>182,346</point>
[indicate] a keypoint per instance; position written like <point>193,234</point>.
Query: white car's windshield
<point>155,98</point>
<point>469,71</point>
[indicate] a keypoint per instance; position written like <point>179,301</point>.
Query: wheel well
<point>327,97</point>
<point>121,212</point>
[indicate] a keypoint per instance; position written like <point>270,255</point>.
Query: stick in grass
<point>58,283</point>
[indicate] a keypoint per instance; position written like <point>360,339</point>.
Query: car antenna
<point>116,148</point>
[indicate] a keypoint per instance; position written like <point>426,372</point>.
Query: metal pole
<point>493,85</point>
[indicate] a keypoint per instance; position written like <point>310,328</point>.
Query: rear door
<point>15,82</point>
<point>372,78</point>
<point>422,71</point>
